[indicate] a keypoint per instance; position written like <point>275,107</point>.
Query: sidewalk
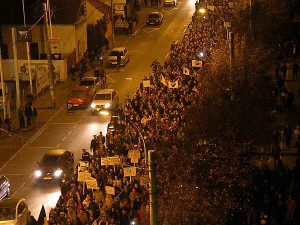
<point>9,145</point>
<point>291,117</point>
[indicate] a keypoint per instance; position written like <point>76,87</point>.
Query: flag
<point>173,84</point>
<point>163,80</point>
<point>42,219</point>
<point>196,63</point>
<point>186,71</point>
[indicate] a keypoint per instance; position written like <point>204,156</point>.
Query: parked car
<point>4,187</point>
<point>80,97</point>
<point>105,99</point>
<point>14,211</point>
<point>113,56</point>
<point>92,82</point>
<point>170,2</point>
<point>155,18</point>
<point>54,164</point>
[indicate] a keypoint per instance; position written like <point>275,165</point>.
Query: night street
<point>73,131</point>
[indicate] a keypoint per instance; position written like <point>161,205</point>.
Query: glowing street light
<point>202,10</point>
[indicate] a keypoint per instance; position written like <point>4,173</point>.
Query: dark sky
<point>11,10</point>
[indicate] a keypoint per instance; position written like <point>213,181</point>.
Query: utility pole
<point>231,35</point>
<point>152,188</point>
<point>18,103</point>
<point>50,64</point>
<point>112,22</point>
<point>2,86</point>
<point>28,51</point>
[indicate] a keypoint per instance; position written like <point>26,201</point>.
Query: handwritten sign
<point>134,160</point>
<point>196,63</point>
<point>83,166</point>
<point>83,176</point>
<point>111,161</point>
<point>92,184</point>
<point>129,171</point>
<point>110,190</point>
<point>134,154</point>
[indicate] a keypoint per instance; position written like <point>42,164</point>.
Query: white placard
<point>110,190</point>
<point>83,176</point>
<point>134,154</point>
<point>196,63</point>
<point>92,184</point>
<point>129,171</point>
<point>83,166</point>
<point>146,83</point>
<point>134,160</point>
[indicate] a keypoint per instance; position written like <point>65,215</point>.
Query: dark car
<point>54,164</point>
<point>80,97</point>
<point>155,18</point>
<point>92,82</point>
<point>4,187</point>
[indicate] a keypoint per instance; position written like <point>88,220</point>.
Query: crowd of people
<point>157,111</point>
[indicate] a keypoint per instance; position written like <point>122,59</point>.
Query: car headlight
<point>38,173</point>
<point>58,173</point>
<point>93,105</point>
<point>107,105</point>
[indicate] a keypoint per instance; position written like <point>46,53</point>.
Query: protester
<point>21,118</point>
<point>28,114</point>
<point>34,115</point>
<point>7,122</point>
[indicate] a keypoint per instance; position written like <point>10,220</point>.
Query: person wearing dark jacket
<point>34,115</point>
<point>28,114</point>
<point>21,118</point>
<point>94,144</point>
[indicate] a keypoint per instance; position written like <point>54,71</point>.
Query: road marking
<point>23,184</point>
<point>184,30</point>
<point>57,145</point>
<point>166,11</point>
<point>128,78</point>
<point>63,123</point>
<point>76,125</point>
<point>176,42</point>
<point>70,132</point>
<point>64,138</point>
<point>34,137</point>
<point>13,194</point>
<point>148,32</point>
<point>167,56</point>
<point>16,174</point>
<point>41,147</point>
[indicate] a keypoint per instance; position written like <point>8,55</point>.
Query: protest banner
<point>134,154</point>
<point>163,81</point>
<point>114,160</point>
<point>196,63</point>
<point>83,166</point>
<point>173,84</point>
<point>146,83</point>
<point>104,161</point>
<point>92,184</point>
<point>83,176</point>
<point>110,190</point>
<point>186,71</point>
<point>129,171</point>
<point>134,160</point>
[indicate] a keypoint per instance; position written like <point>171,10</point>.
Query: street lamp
<point>202,10</point>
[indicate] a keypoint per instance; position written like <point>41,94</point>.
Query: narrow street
<point>73,131</point>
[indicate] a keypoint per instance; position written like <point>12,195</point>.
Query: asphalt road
<point>73,131</point>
